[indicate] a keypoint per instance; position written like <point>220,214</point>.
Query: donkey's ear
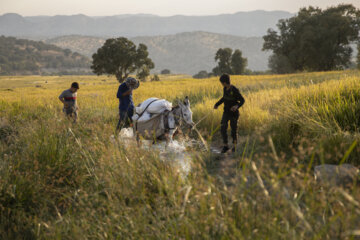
<point>186,101</point>
<point>180,103</point>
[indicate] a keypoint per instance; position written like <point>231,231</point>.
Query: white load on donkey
<point>155,118</point>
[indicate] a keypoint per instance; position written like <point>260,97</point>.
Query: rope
<point>197,131</point>
<point>203,118</point>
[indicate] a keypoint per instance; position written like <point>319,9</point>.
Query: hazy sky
<point>158,7</point>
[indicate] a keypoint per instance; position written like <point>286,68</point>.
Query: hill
<point>85,45</point>
<point>249,24</point>
<point>187,52</point>
<point>20,56</point>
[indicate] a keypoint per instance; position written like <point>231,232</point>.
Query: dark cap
<point>75,85</point>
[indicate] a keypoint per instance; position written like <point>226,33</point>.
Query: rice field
<point>64,181</point>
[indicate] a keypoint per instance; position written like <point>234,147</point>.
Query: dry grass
<point>59,180</point>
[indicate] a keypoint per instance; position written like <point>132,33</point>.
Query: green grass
<point>65,181</point>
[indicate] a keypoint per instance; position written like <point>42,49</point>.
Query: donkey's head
<point>186,113</point>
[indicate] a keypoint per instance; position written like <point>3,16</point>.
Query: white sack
<point>159,106</point>
<point>135,117</point>
<point>143,105</point>
<point>146,116</point>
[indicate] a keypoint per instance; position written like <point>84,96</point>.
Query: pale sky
<point>157,7</point>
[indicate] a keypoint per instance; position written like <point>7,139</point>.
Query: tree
<point>67,52</point>
<point>165,71</point>
<point>143,73</point>
<point>201,74</point>
<point>358,55</point>
<point>120,57</point>
<point>238,63</point>
<point>155,78</point>
<point>314,39</point>
<point>229,62</point>
<point>223,56</point>
<point>280,64</point>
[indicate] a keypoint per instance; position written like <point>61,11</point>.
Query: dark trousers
<point>71,112</point>
<point>233,118</point>
<point>125,118</point>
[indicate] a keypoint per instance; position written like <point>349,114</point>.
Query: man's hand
<point>215,107</point>
<point>234,108</point>
<point>128,92</point>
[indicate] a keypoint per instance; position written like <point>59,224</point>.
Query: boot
<point>225,149</point>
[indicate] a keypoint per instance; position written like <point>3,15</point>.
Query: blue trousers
<point>125,118</point>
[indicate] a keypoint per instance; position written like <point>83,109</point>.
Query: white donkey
<point>166,123</point>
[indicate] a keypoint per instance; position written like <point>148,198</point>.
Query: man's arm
<point>66,105</point>
<point>123,91</point>
<point>219,103</point>
<point>61,98</point>
<point>239,99</point>
<point>128,92</point>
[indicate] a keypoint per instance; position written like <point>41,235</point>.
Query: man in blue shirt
<point>126,106</point>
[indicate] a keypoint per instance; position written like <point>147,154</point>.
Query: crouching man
<point>232,100</point>
<point>68,98</point>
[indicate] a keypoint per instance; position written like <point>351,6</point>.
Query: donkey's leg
<point>171,124</point>
<point>169,136</point>
<point>138,141</point>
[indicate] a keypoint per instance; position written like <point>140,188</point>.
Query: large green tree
<point>120,57</point>
<point>238,63</point>
<point>229,62</point>
<point>314,39</point>
<point>223,57</point>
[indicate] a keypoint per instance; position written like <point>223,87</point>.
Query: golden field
<point>65,181</point>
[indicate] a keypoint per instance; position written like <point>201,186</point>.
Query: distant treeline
<point>20,56</point>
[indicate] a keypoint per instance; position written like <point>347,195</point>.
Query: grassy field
<point>65,181</point>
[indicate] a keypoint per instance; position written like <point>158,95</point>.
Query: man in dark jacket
<point>126,105</point>
<point>232,100</point>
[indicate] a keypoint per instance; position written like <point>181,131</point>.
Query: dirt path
<point>226,166</point>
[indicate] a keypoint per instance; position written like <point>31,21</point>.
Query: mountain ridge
<point>254,23</point>
<point>188,52</point>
